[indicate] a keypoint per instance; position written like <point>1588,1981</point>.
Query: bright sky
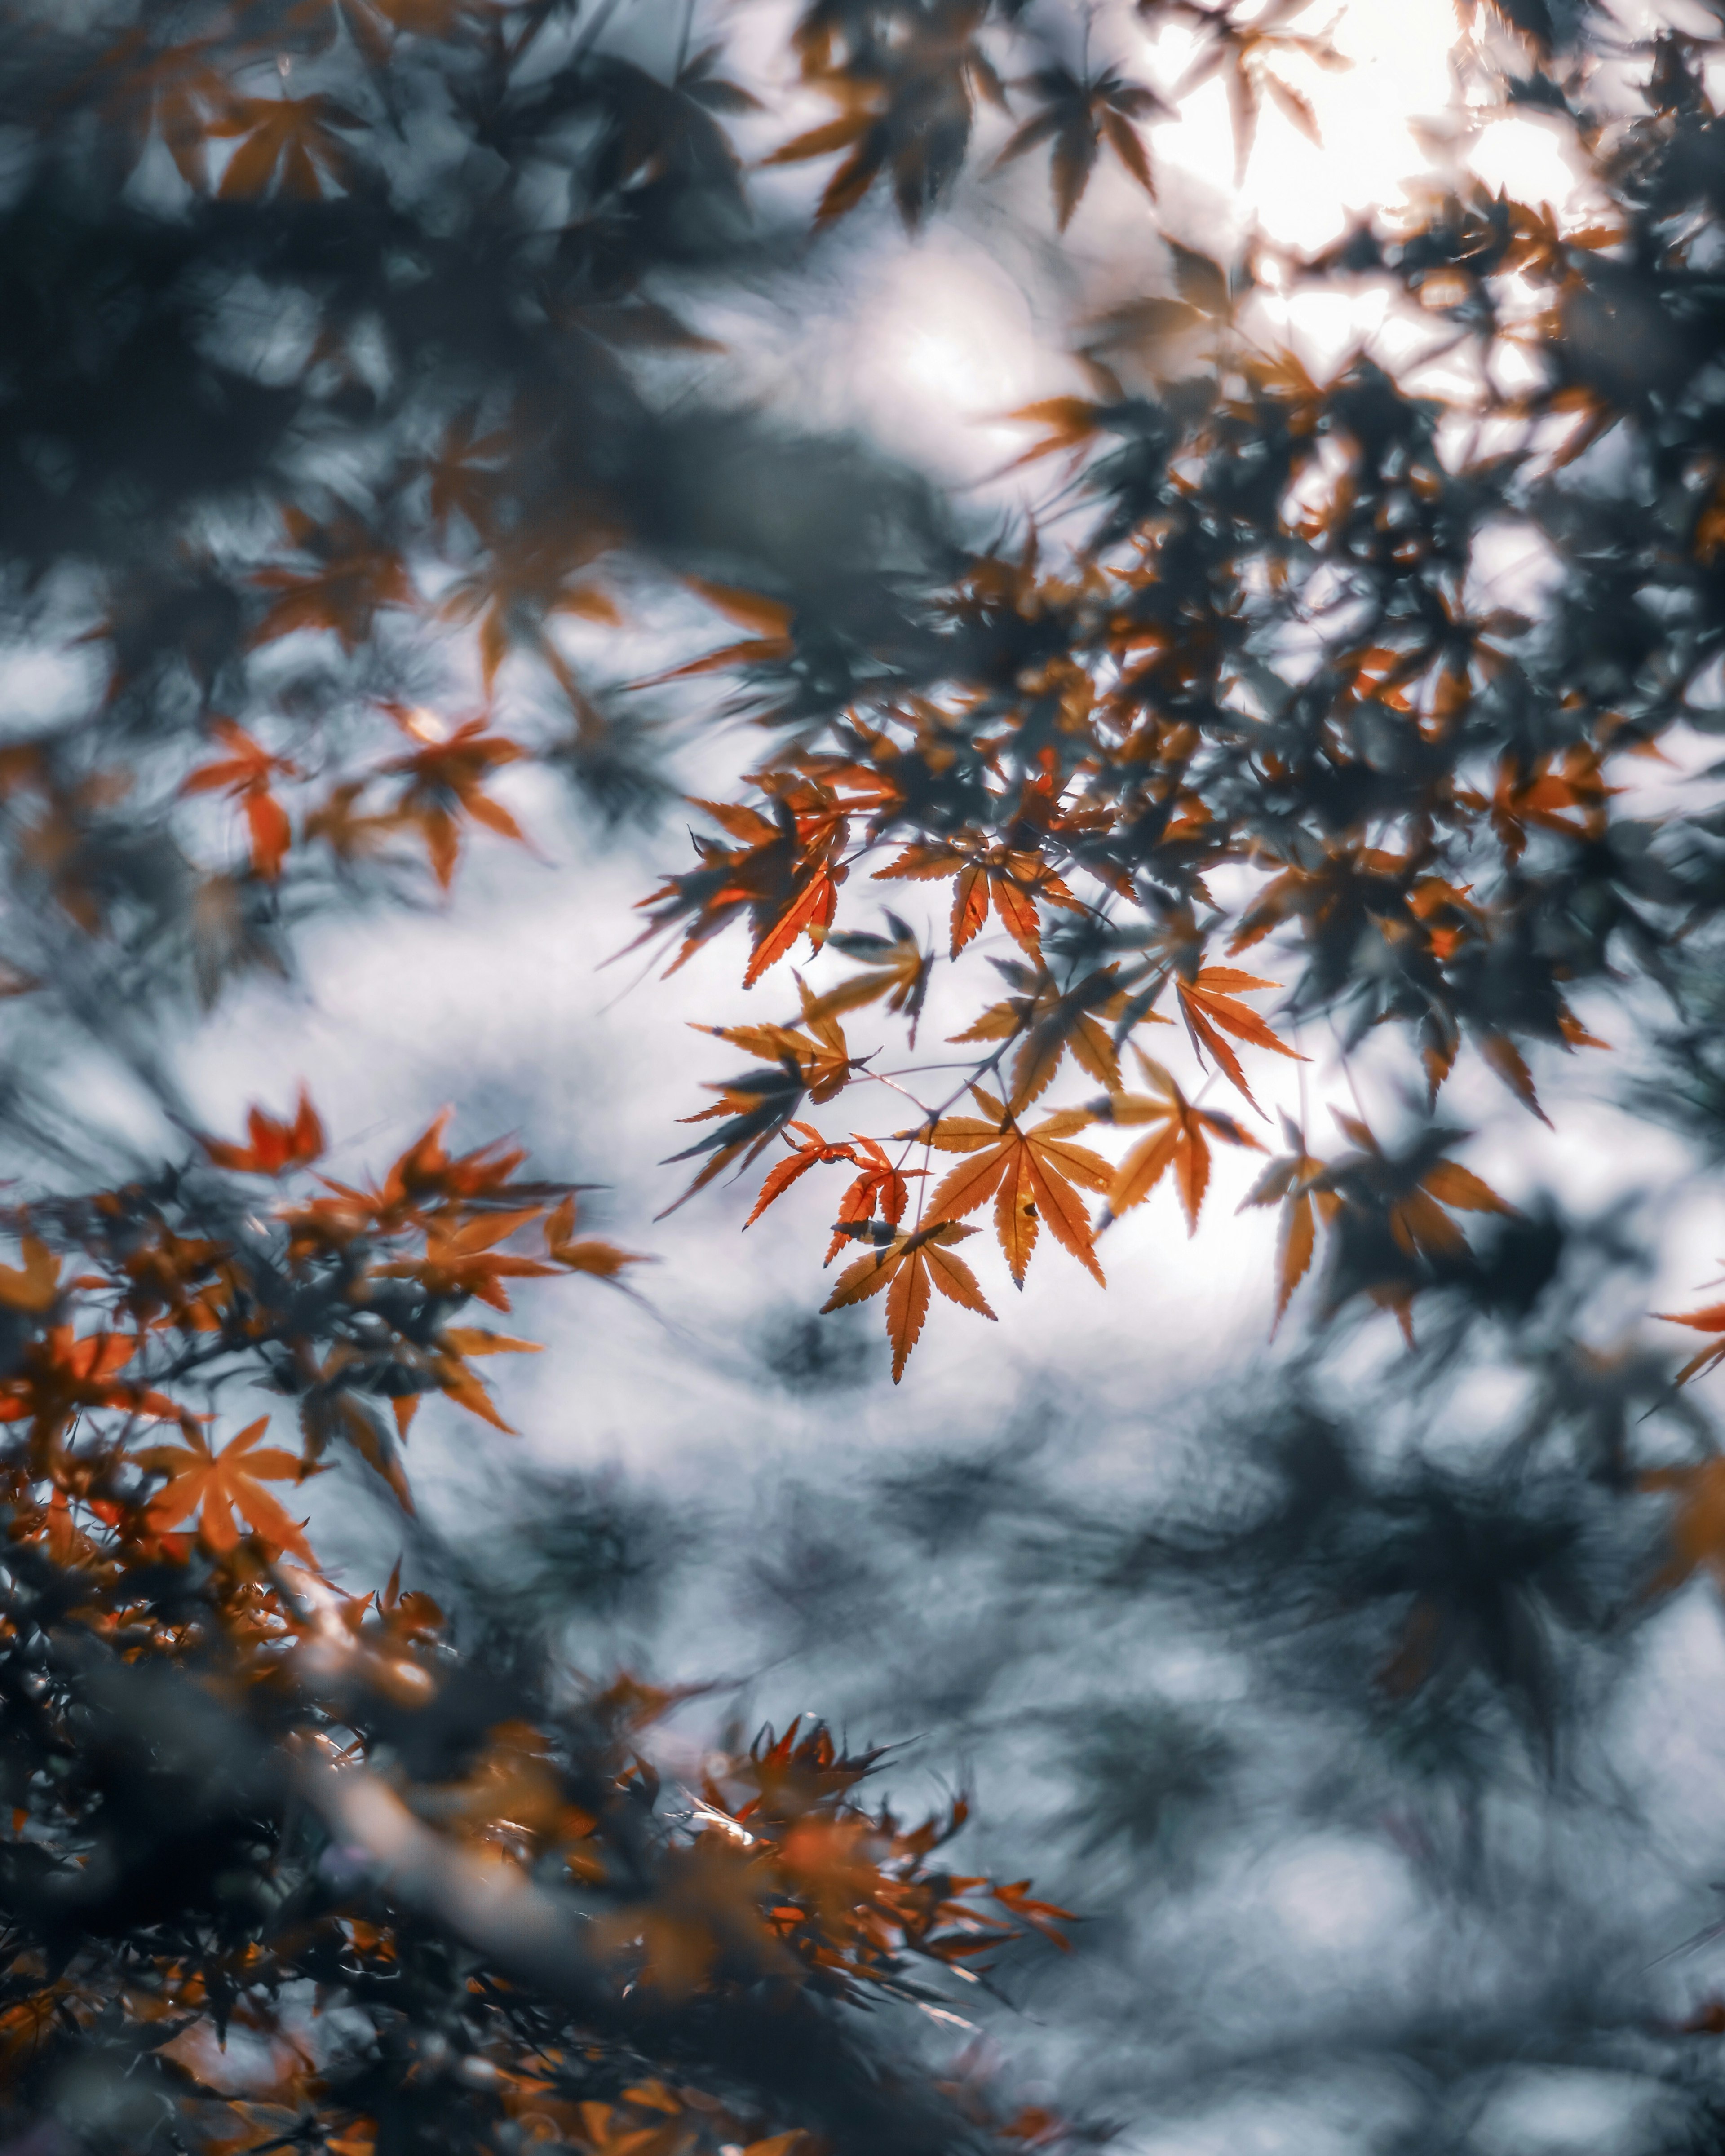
<point>944,337</point>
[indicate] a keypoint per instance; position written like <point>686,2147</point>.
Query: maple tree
<point>351,402</point>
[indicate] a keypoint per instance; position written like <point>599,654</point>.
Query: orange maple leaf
<point>245,775</point>
<point>444,784</point>
<point>277,1145</point>
<point>459,1260</point>
<point>33,1287</point>
<point>425,1177</point>
<point>1416,1217</point>
<point>1181,1143</point>
<point>895,966</point>
<point>809,910</point>
<point>356,576</point>
<point>1041,1916</point>
<point>1014,880</point>
<point>1209,1005</point>
<point>770,620</point>
<point>447,1366</point>
<point>63,1373</point>
<point>880,1192</point>
<point>908,1265</point>
<point>1711,1320</point>
<point>1047,1020</point>
<point>1412,1198</point>
<point>585,1253</point>
<point>348,831</point>
<point>518,584</point>
<point>1030,1176</point>
<point>464,475</point>
<point>1537,795</point>
<point>290,139</point>
<point>815,1152</point>
<point>1297,1181</point>
<point>174,88</point>
<point>223,1483</point>
<point>1698,1525</point>
<point>822,1055</point>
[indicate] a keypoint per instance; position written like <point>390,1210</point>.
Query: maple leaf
<point>585,1253</point>
<point>1029,1174</point>
<point>1209,1005</point>
<point>1711,1320</point>
<point>1501,1053</point>
<point>1047,1020</point>
<point>275,1145</point>
<point>1697,1532</point>
<point>464,475</point>
<point>66,848</point>
<point>520,583</point>
<point>880,1192</point>
<point>444,779</point>
<point>1182,1143</point>
<point>1072,423</point>
<point>755,1107</point>
<point>349,833</point>
<point>459,1259</point>
<point>1402,1207</point>
<point>897,968</point>
<point>424,1177</point>
<point>172,90</point>
<point>1298,1182</point>
<point>223,1483</point>
<point>1042,1917</point>
<point>1243,51</point>
<point>1413,1217</point>
<point>905,106</point>
<point>808,911</point>
<point>62,1374</point>
<point>907,1267</point>
<point>781,872</point>
<point>822,1053</point>
<point>356,576</point>
<point>33,1287</point>
<point>815,1152</point>
<point>433,19</point>
<point>374,24</point>
<point>771,644</point>
<point>409,1617</point>
<point>245,775</point>
<point>1014,880</point>
<point>466,1387</point>
<point>289,139</point>
<point>330,1408</point>
<point>1535,794</point>
<point>187,1277</point>
<point>1077,117</point>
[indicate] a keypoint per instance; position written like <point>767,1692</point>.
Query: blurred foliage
<point>358,416</point>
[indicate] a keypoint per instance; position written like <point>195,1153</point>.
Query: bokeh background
<point>1052,1565</point>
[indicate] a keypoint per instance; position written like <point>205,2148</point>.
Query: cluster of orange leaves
<point>784,872</point>
<point>161,1306</point>
<point>775,1872</point>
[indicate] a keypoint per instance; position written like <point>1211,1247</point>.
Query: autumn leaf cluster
<point>357,420</point>
<point>155,1568</point>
